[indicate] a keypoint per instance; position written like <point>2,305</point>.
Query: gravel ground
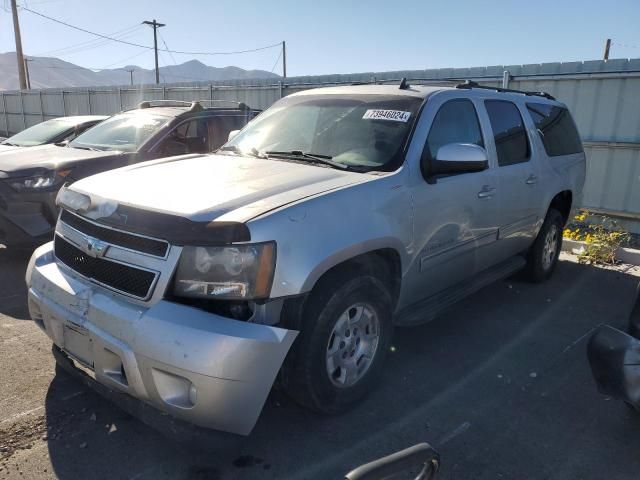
<point>500,385</point>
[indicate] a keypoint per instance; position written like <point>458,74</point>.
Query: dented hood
<point>214,187</point>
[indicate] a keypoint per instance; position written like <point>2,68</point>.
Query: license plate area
<point>78,344</point>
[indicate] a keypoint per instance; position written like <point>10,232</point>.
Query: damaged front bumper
<point>202,368</point>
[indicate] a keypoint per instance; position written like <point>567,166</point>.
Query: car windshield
<point>124,132</point>
<point>42,133</point>
<point>367,132</point>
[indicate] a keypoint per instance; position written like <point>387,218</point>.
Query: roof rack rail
<point>469,84</point>
<point>240,105</point>
<point>170,103</point>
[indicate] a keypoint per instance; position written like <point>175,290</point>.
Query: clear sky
<point>333,36</point>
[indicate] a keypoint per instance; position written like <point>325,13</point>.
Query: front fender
<point>316,234</point>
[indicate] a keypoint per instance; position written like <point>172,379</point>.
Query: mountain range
<point>50,72</point>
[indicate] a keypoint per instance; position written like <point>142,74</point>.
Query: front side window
<point>557,129</point>
<point>509,132</point>
<point>125,132</point>
<point>362,132</point>
<point>455,122</point>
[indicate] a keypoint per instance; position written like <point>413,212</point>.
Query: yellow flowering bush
<point>602,239</point>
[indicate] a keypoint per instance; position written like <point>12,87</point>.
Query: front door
<point>455,216</point>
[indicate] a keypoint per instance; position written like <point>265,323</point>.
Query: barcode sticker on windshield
<point>393,115</point>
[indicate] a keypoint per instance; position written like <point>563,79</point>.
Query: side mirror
<point>459,158</point>
<point>422,456</point>
<point>232,134</point>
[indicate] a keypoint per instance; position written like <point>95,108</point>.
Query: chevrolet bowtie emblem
<point>95,248</point>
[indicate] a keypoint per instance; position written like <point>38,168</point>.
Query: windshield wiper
<point>316,157</point>
<point>92,149</point>
<point>233,148</point>
<point>9,143</point>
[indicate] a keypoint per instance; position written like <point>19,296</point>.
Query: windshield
<point>365,131</point>
<point>124,132</point>
<point>44,132</point>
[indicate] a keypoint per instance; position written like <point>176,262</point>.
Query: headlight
<point>42,181</point>
<point>238,272</point>
<point>72,200</point>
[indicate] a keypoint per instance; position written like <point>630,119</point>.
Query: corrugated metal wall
<point>604,98</point>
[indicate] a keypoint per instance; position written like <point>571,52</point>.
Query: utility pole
<point>16,32</point>
<point>284,59</point>
<point>26,71</point>
<point>607,47</point>
<point>130,74</point>
<point>155,26</point>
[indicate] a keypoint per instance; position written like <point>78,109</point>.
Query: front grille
<point>117,276</point>
<point>150,246</point>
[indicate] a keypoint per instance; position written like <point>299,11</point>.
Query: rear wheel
<point>344,335</point>
<point>543,255</point>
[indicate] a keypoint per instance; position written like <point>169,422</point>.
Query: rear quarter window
<point>556,128</point>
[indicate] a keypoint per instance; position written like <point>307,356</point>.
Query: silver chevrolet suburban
<point>190,283</point>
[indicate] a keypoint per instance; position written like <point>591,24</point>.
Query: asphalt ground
<point>500,385</point>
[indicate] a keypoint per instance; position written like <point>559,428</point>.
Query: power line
<point>627,45</point>
<point>276,62</point>
<point>146,46</point>
<point>94,43</point>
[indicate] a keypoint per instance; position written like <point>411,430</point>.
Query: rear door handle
<point>486,192</point>
<point>531,180</point>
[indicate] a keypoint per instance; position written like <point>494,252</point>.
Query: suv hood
<point>44,156</point>
<point>209,187</point>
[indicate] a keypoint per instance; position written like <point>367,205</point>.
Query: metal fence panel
<point>604,98</point>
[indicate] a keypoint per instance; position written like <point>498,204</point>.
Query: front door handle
<point>486,192</point>
<point>531,180</point>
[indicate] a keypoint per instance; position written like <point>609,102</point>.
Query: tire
<point>336,302</point>
<point>542,257</point>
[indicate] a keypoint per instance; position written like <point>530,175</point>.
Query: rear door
<point>518,176</point>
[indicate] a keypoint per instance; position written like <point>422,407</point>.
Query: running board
<point>426,310</point>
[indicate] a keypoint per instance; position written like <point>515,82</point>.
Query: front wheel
<point>344,336</point>
<point>543,255</point>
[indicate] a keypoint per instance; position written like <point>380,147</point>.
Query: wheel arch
<point>562,202</point>
<point>381,260</point>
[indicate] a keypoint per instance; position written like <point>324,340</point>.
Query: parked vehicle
<point>334,216</point>
<point>63,129</point>
<point>614,357</point>
<point>30,178</point>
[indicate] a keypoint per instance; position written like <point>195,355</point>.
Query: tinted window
<point>188,137</point>
<point>455,122</point>
<point>220,127</point>
<point>509,133</point>
<point>557,130</point>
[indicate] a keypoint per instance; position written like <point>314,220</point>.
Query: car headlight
<point>72,200</point>
<point>39,182</point>
<point>234,272</point>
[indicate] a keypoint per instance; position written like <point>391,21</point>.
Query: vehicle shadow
<point>499,384</point>
<point>13,290</point>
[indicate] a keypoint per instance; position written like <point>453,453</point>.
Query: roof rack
<point>193,106</point>
<point>469,84</point>
<point>240,105</point>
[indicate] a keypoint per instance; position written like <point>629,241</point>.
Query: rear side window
<point>557,129</point>
<point>455,122</point>
<point>509,133</point>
